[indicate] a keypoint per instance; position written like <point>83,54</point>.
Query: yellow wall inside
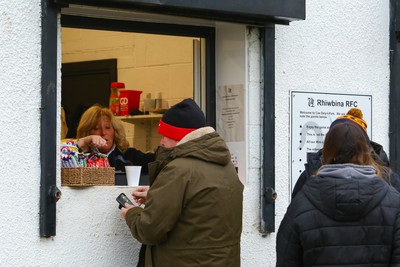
<point>146,62</point>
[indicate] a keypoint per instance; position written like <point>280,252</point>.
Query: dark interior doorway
<point>84,84</point>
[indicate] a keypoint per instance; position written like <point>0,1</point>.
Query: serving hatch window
<point>161,67</point>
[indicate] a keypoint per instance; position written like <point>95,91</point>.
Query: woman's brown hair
<point>347,143</point>
<point>91,117</point>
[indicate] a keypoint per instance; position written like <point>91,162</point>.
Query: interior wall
<point>145,62</point>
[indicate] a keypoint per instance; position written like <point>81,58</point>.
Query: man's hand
<point>140,194</point>
<point>125,209</point>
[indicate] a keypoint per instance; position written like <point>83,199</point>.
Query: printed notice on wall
<point>310,118</point>
<point>230,112</point>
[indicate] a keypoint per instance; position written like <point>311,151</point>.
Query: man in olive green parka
<point>193,208</point>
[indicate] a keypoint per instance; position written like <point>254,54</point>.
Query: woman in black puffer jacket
<point>345,216</point>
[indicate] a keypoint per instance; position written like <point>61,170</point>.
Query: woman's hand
<point>87,142</point>
<point>140,194</point>
<point>96,140</point>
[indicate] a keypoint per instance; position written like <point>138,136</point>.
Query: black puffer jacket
<point>345,216</point>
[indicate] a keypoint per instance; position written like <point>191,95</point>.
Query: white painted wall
<point>20,132</point>
<point>341,47</point>
<point>231,69</point>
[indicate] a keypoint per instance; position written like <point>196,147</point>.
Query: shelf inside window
<point>136,119</point>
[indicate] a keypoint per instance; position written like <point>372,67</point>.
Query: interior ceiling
<point>118,14</point>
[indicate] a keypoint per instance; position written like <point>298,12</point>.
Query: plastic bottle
<point>114,97</point>
<point>158,100</point>
<point>148,104</point>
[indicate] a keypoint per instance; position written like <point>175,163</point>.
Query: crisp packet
<point>72,158</point>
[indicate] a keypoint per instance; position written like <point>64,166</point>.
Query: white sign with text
<point>310,118</point>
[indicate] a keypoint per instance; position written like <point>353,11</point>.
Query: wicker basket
<point>87,176</point>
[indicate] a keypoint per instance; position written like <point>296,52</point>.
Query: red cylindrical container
<point>128,100</point>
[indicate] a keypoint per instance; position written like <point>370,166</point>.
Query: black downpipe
<point>210,80</point>
<point>268,194</point>
<point>394,99</point>
<point>49,194</point>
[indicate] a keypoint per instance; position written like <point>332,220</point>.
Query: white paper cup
<point>133,175</point>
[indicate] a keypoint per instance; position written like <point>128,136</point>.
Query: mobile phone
<point>122,199</point>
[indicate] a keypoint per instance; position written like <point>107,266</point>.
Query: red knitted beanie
<point>181,119</point>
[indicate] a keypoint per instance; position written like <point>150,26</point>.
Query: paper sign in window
<point>230,112</point>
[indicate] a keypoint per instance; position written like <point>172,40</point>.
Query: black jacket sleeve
<point>313,163</point>
<point>299,184</point>
<point>131,156</point>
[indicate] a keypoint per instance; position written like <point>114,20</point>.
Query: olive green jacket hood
<point>208,146</point>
